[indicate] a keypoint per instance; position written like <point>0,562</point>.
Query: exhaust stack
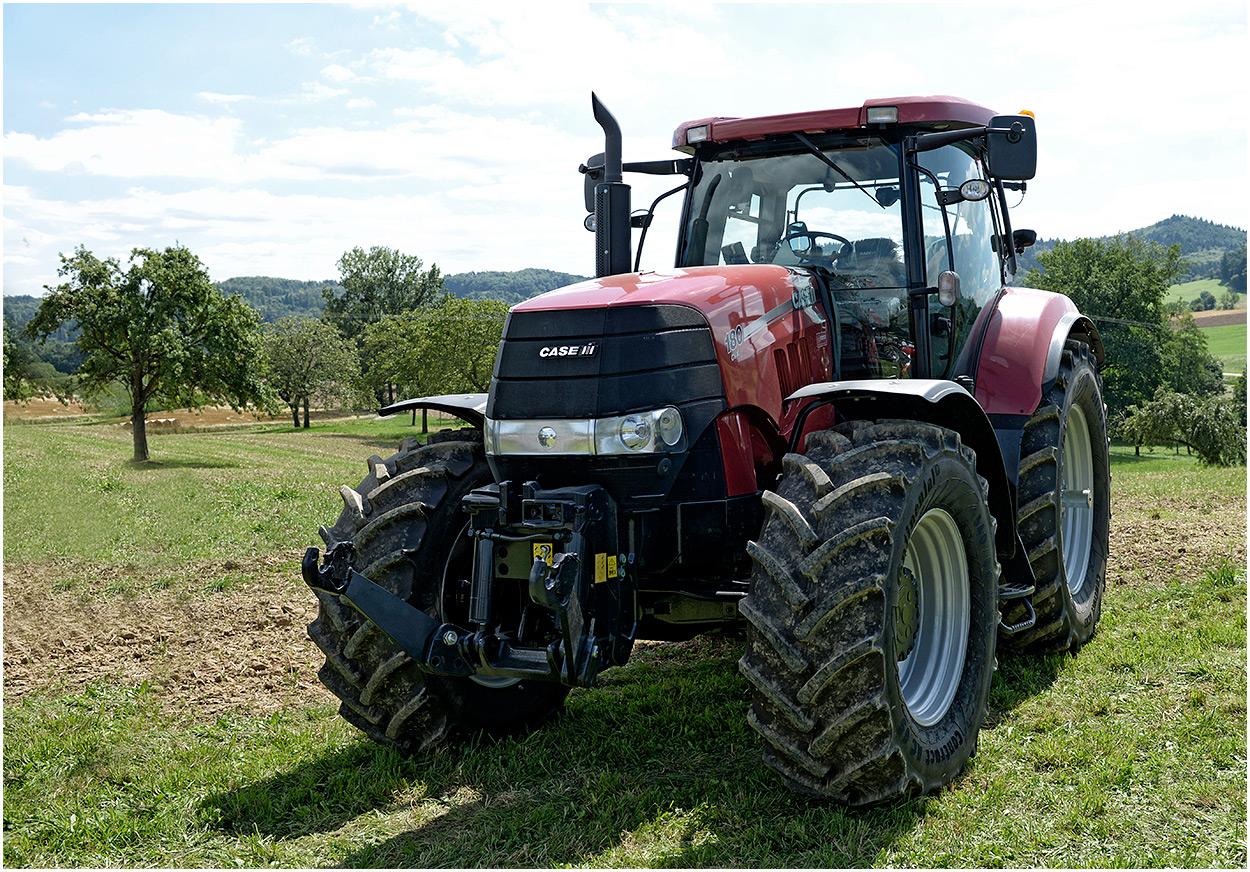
<point>612,207</point>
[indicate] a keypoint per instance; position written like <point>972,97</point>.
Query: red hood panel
<point>761,316</point>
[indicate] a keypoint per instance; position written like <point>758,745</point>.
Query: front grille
<point>644,357</point>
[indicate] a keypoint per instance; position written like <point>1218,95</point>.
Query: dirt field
<point>216,416</point>
<point>1220,317</point>
<point>248,651</point>
<point>244,650</point>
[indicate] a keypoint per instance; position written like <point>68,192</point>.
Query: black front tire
<point>872,613</point>
<point>410,502</point>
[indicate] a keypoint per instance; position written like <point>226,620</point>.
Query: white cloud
<point>303,46</point>
<point>338,73</point>
<point>224,99</point>
<point>130,144</point>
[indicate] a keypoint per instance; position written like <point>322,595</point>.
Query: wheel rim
<point>1076,505</point>
<point>932,617</point>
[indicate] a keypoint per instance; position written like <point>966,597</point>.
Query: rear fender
<point>935,401</point>
<point>1023,343</point>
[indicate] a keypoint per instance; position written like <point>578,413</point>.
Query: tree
<point>461,339</point>
<point>1211,427</point>
<point>16,385</point>
<point>160,328</point>
<point>1121,284</point>
<point>308,359</point>
<point>1204,302</point>
<point>1188,367</point>
<point>448,347</point>
<point>376,283</point>
<point>1233,269</point>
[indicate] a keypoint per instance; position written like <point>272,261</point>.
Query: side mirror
<point>592,169</point>
<point>1011,147</point>
<point>798,238</point>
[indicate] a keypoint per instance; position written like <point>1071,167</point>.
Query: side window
<point>959,236</point>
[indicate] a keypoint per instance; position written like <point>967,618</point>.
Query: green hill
<point>1203,243</point>
<point>510,287</point>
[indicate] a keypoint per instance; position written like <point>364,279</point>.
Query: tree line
<point>1210,250</point>
<point>159,330</point>
<point>389,329</point>
<point>1160,384</point>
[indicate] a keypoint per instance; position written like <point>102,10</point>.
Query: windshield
<point>797,210</point>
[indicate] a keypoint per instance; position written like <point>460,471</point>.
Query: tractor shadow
<point>659,753</point>
<point>1019,677</point>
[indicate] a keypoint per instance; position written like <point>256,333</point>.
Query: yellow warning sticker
<point>543,551</point>
<point>611,566</point>
<point>601,568</point>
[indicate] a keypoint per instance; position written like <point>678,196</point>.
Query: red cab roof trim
<point>911,110</point>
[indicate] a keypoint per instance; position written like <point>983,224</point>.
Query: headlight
<point>639,432</point>
<point>658,431</point>
<point>635,432</point>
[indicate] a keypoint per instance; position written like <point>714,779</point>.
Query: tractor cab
<point>897,217</point>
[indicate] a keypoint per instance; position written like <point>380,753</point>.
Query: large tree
<point>159,328</point>
<point>1121,284</point>
<point>16,384</point>
<point>308,359</point>
<point>447,347</point>
<point>376,283</point>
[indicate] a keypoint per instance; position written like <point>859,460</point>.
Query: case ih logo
<point>569,350</point>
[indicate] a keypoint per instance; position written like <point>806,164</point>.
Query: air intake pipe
<point>612,208</point>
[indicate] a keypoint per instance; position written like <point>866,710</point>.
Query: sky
<point>270,139</point>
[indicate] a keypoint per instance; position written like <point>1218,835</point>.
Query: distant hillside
<point>1203,243</point>
<point>510,287</point>
<point>275,298</point>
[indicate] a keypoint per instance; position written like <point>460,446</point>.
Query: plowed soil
<point>243,650</point>
<point>248,651</point>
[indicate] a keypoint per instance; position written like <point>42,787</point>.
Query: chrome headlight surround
<point>658,431</point>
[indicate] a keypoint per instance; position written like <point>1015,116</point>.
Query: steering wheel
<point>812,236</point>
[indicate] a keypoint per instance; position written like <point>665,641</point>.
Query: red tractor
<point>832,423</point>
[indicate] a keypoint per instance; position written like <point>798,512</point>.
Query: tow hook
<point>335,573</point>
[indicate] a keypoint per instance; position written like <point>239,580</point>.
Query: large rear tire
<point>872,613</point>
<point>1064,518</point>
<point>410,502</point>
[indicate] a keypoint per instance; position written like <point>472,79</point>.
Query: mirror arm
<point>929,141</point>
<point>682,167</point>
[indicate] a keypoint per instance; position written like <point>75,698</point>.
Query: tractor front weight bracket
<point>576,573</point>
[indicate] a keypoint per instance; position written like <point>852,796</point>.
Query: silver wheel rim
<point>1076,505</point>
<point>933,637</point>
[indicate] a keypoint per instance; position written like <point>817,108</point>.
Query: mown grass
<point>1228,345</point>
<point>1132,753</point>
<point>1187,292</point>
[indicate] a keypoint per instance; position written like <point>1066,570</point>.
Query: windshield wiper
<point>824,158</point>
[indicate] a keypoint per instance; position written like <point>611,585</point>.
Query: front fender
<point>467,407</point>
<point>935,401</point>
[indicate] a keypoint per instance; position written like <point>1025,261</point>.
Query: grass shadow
<point>1019,677</point>
<point>158,465</point>
<point>661,748</point>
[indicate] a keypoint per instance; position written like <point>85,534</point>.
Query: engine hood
<point>752,310</point>
<point>710,289</point>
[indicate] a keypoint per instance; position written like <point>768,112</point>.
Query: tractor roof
<point>936,113</point>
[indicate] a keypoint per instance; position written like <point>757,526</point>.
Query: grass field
<point>161,707</point>
<point>1189,291</point>
<point>1228,344</point>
